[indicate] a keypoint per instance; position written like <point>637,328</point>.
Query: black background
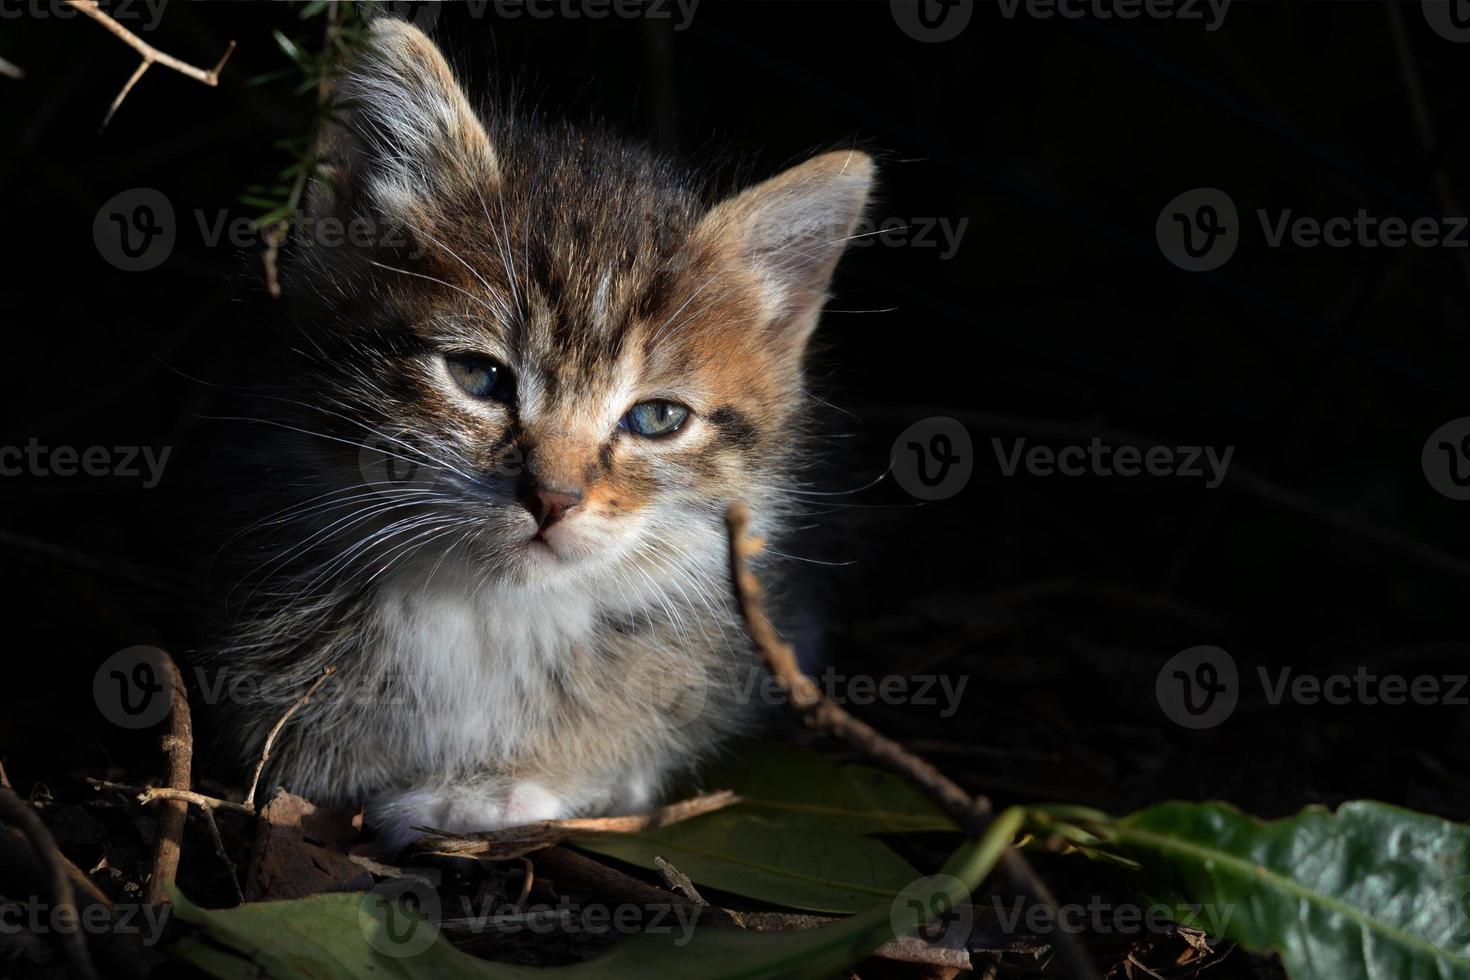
<point>1059,141</point>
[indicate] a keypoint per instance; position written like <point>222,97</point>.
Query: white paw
<point>460,809</point>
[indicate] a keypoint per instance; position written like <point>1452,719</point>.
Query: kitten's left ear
<point>787,234</point>
<point>402,134</point>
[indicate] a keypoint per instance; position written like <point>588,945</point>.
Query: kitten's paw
<point>460,809</point>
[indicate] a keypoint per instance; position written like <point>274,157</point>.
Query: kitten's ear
<point>787,234</point>
<point>402,133</point>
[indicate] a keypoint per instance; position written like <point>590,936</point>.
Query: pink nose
<point>550,506</point>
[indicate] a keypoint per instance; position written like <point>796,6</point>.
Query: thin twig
<point>972,813</point>
<point>154,794</point>
<point>678,881</point>
<point>219,848</point>
<point>527,881</point>
<point>270,739</point>
<point>11,70</point>
<point>513,842</point>
<point>178,748</point>
<point>4,778</point>
<point>19,813</point>
<point>150,54</point>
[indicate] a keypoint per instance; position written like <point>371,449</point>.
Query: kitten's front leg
<point>475,805</point>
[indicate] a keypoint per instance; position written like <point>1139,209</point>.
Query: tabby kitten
<point>529,393</point>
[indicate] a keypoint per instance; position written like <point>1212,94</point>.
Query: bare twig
<point>219,849</point>
<point>513,842</point>
<point>972,813</point>
<point>270,739</point>
<point>20,814</point>
<point>678,881</point>
<point>4,778</point>
<point>155,794</point>
<point>526,882</point>
<point>178,748</point>
<point>150,54</point>
<point>11,70</point>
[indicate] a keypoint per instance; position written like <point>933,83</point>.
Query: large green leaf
<point>793,784</point>
<point>341,936</point>
<point>1372,892</point>
<point>771,860</point>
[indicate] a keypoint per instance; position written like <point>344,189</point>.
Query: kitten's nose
<point>550,506</point>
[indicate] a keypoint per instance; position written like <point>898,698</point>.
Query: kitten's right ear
<point>402,135</point>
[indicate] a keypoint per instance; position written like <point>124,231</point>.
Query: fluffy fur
<point>485,678</point>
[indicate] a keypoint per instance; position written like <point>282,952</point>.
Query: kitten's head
<point>579,362</point>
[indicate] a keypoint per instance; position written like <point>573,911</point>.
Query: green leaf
<point>1372,892</point>
<point>342,936</point>
<point>774,861</point>
<point>798,785</point>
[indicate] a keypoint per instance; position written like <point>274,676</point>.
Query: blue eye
<point>655,418</point>
<point>479,376</point>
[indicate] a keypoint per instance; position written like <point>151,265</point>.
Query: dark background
<point>1058,318</point>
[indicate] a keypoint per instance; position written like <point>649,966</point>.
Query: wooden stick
<point>224,856</point>
<point>678,881</point>
<point>972,813</point>
<point>154,794</point>
<point>270,739</point>
<point>20,814</point>
<point>150,54</point>
<point>513,842</point>
<point>178,748</point>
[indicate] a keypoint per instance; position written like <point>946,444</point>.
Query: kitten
<point>530,390</point>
